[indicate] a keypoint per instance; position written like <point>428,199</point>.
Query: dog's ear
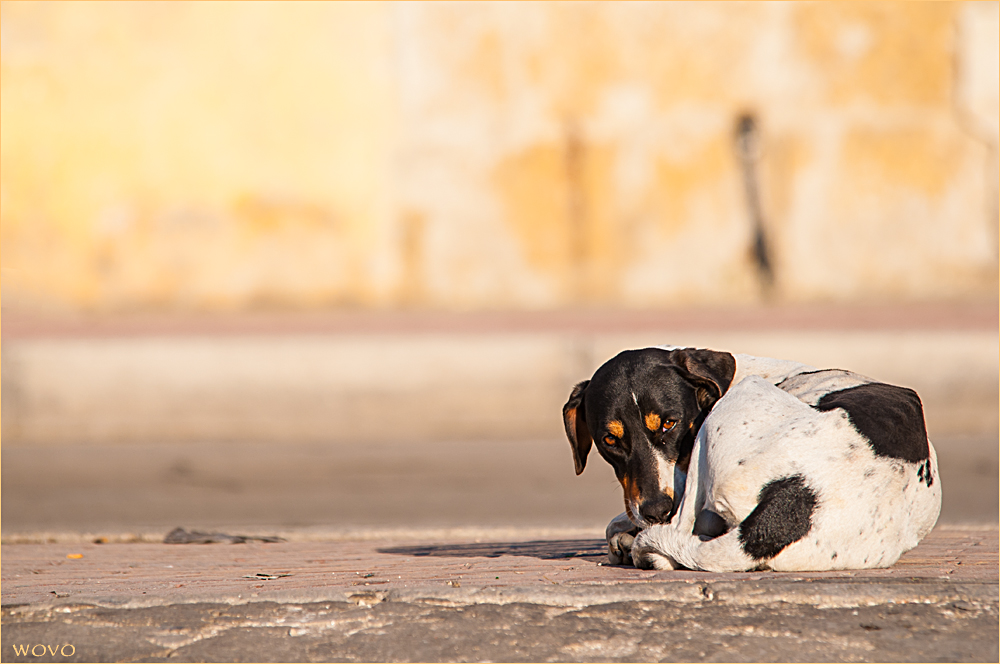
<point>575,421</point>
<point>710,371</point>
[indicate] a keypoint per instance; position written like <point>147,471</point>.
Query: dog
<point>738,463</point>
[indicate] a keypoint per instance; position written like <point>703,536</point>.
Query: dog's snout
<point>657,511</point>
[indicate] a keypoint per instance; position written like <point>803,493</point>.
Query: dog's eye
<point>669,424</point>
<point>610,440</point>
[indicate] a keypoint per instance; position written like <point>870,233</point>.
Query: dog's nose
<point>657,511</point>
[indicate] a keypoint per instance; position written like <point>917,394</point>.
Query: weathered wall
<point>202,154</point>
<point>494,155</point>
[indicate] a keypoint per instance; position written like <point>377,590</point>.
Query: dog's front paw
<point>620,548</point>
<point>619,534</point>
<point>647,555</point>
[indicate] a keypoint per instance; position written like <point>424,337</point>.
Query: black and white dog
<point>736,463</point>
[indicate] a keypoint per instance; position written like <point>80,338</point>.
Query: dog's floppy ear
<point>575,421</point>
<point>710,371</point>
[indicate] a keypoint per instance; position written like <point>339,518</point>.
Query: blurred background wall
<point>225,156</point>
<point>334,263</point>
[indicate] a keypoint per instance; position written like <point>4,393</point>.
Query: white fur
<point>665,476</point>
<point>869,510</point>
<point>769,368</point>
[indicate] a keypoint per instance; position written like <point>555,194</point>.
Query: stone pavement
<point>473,596</point>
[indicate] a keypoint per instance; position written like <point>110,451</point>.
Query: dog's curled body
<point>856,508</point>
<point>795,469</point>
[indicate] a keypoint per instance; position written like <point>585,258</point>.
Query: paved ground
<point>551,599</point>
<point>425,632</point>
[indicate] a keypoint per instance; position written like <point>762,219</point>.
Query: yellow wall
<point>226,155</point>
<point>203,154</point>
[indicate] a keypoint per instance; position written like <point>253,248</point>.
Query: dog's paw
<point>620,549</point>
<point>619,534</point>
<point>647,555</point>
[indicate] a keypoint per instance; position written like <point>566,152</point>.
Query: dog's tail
<point>783,516</point>
<point>663,547</point>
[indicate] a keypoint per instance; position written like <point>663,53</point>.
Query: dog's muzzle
<point>659,510</point>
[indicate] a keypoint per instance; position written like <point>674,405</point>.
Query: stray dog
<point>738,463</point>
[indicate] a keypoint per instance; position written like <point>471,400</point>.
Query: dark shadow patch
<point>709,525</point>
<point>890,417</point>
<point>181,536</point>
<point>783,515</point>
<point>542,549</point>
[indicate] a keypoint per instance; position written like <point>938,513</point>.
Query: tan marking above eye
<point>669,424</point>
<point>616,429</point>
<point>652,421</point>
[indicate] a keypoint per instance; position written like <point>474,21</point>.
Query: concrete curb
<point>819,593</point>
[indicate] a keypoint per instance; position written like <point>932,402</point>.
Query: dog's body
<point>756,463</point>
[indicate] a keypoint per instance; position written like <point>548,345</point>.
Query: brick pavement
<point>138,574</point>
<point>455,599</point>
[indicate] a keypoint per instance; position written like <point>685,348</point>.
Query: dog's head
<point>643,409</point>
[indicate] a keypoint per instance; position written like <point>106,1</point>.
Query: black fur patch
<point>924,473</point>
<point>890,417</point>
<point>783,515</point>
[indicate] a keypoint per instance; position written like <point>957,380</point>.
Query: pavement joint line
<point>820,593</point>
<point>152,535</point>
<point>475,534</point>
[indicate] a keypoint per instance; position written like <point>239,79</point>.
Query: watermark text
<point>42,649</point>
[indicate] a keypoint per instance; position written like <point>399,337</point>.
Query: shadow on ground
<point>542,549</point>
